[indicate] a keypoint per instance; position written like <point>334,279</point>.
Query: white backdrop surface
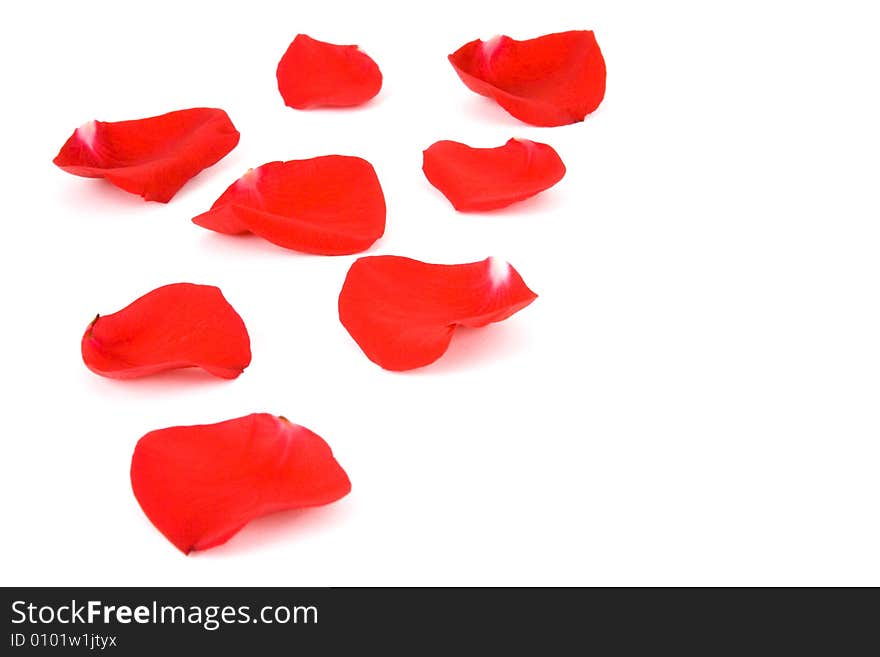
<point>692,399</point>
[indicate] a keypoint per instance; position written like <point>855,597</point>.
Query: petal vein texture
<point>552,80</point>
<point>174,326</point>
<point>314,74</point>
<point>479,179</point>
<point>152,157</point>
<point>199,485</point>
<point>329,205</point>
<point>402,312</point>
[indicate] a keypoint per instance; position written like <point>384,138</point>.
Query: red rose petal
<point>330,205</point>
<point>151,157</point>
<point>402,312</point>
<point>199,485</point>
<point>174,326</point>
<point>476,179</point>
<point>552,80</point>
<point>316,74</point>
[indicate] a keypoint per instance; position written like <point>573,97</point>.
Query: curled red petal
<point>476,179</point>
<point>152,157</point>
<point>330,205</point>
<point>313,73</point>
<point>174,326</point>
<point>402,312</point>
<point>552,80</point>
<point>199,485</point>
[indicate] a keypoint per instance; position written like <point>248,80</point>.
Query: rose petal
<point>330,205</point>
<point>552,80</point>
<point>476,179</point>
<point>316,74</point>
<point>402,312</point>
<point>174,326</point>
<point>151,157</point>
<point>199,485</point>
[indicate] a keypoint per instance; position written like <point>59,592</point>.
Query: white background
<point>693,399</point>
